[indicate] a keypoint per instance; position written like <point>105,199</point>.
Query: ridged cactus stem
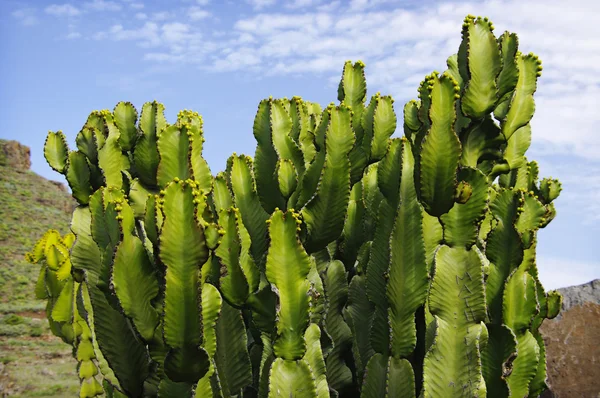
<point>337,262</point>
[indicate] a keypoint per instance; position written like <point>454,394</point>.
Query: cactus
<point>339,261</point>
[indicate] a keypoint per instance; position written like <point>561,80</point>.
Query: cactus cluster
<point>337,262</point>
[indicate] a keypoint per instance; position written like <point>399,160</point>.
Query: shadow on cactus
<point>337,262</point>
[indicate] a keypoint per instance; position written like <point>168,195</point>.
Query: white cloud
<point>73,35</point>
<point>397,43</point>
<point>295,4</point>
<point>202,2</point>
<point>136,6</point>
<point>141,16</point>
<point>176,32</point>
<point>169,42</point>
<point>400,45</point>
<point>161,16</point>
<point>102,5</point>
<point>62,10</point>
<point>362,5</point>
<point>26,16</point>
<point>237,60</point>
<point>147,35</point>
<point>260,4</point>
<point>329,6</point>
<point>556,272</point>
<point>196,13</point>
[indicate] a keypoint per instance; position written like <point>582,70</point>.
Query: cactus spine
<point>337,262</point>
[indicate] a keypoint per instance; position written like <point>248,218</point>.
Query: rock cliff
<point>573,344</point>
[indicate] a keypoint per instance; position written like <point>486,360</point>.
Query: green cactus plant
<point>339,261</point>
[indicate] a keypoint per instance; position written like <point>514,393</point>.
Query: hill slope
<point>32,361</point>
<point>29,206</point>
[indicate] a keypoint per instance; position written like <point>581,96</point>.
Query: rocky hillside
<point>29,205</point>
<point>572,344</point>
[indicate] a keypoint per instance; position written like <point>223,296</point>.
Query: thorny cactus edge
<point>337,262</point>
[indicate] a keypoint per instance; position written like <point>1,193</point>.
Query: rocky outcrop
<point>573,344</point>
<point>15,155</point>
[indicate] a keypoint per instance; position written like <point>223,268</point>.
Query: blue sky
<point>62,60</point>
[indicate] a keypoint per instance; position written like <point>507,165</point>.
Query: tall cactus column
<point>337,262</point>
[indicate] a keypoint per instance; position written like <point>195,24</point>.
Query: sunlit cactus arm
<point>388,377</point>
<point>111,158</point>
<point>302,131</point>
<point>317,296</point>
<point>353,234</point>
<point>199,167</point>
<point>87,369</point>
<point>408,275</point>
<point>324,214</point>
<point>282,126</point>
<point>133,276</point>
<point>78,177</point>
<point>517,146</point>
<point>314,358</point>
<point>412,124</point>
<point>372,199</point>
<point>497,358</point>
<point>457,302</point>
<point>61,291</point>
<point>221,195</point>
<point>239,274</point>
<point>73,165</point>
<point>125,118</point>
<point>405,275</point>
<point>121,348</point>
<point>231,357</point>
<point>479,66</point>
<point>90,140</point>
<point>290,379</point>
<point>462,121</point>
<point>174,148</point>
<point>395,267</point>
<point>504,250</point>
<point>521,107</point>
<point>520,305</point>
<point>212,304</point>
<point>352,91</point>
<point>482,143</point>
<point>246,199</point>
<point>378,124</point>
<point>138,197</point>
<point>550,305</point>
<point>307,185</point>
<point>387,181</point>
<point>87,142</point>
<point>56,151</point>
<point>461,223</point>
<point>182,250</point>
<point>287,269</point>
<point>440,148</point>
<point>509,75</point>
<point>287,178</point>
<point>146,156</point>
<point>122,359</point>
<point>266,157</point>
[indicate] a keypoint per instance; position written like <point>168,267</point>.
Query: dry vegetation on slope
<point>32,361</point>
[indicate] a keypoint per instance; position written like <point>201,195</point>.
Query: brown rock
<point>60,186</point>
<point>573,344</point>
<point>15,155</point>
